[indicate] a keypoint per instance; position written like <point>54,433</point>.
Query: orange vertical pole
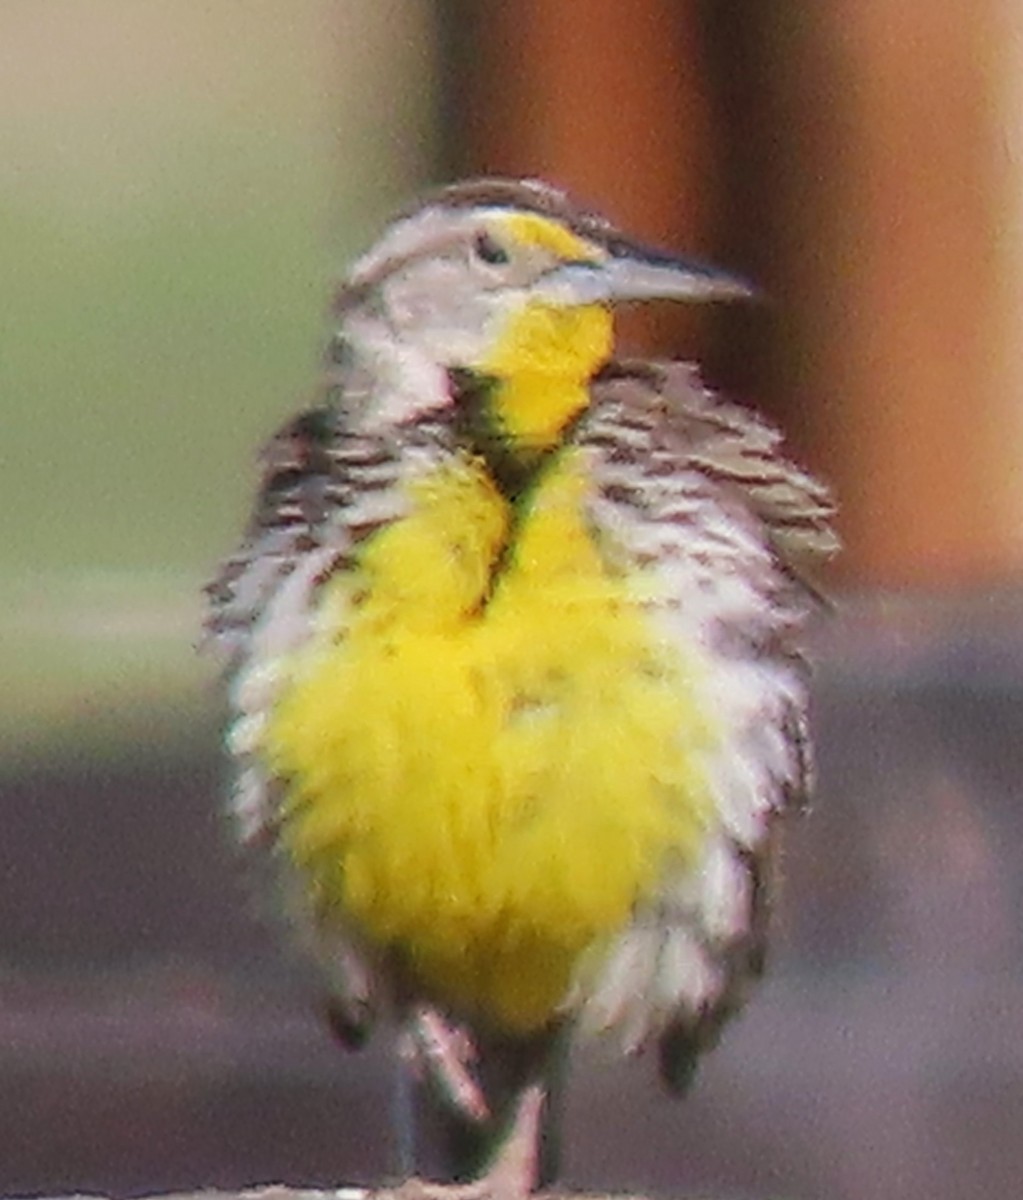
<point>893,268</point>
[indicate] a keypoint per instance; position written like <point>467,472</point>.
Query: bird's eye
<point>489,250</point>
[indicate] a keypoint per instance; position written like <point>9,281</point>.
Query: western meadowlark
<point>516,695</point>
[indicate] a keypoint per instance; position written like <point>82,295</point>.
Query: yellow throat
<point>491,755</point>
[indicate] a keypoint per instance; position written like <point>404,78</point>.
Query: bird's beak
<point>634,272</point>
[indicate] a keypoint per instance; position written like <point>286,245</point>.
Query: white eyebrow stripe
<point>428,232</point>
<point>433,231</point>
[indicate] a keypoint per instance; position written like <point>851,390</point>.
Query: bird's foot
<point>511,1176</point>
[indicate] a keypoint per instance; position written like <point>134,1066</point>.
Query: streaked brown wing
<point>306,502</point>
<point>737,449</point>
<point>322,490</point>
<point>695,493</point>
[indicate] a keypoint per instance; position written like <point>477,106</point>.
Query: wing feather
<point>323,489</point>
<point>695,491</point>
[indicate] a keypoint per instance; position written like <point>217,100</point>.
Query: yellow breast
<point>490,755</point>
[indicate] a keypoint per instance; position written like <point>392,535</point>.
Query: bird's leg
<point>513,1173</point>
<point>446,1053</point>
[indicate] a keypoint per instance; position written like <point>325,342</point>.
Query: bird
<point>513,650</point>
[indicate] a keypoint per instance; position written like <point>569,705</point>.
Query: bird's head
<point>506,282</point>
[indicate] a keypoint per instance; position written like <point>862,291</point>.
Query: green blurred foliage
<point>180,182</point>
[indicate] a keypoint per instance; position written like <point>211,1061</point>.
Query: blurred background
<point>181,180</point>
